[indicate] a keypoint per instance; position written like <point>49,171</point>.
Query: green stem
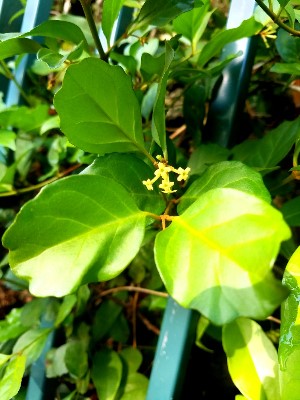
<point>9,75</point>
<point>276,19</point>
<point>90,20</point>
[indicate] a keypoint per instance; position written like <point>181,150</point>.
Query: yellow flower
<point>183,174</point>
<point>148,184</point>
<point>166,186</point>
<point>163,170</point>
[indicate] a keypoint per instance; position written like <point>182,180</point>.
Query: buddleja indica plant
<point>216,236</point>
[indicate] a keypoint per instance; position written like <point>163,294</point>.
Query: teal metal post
<point>178,327</point>
<point>36,12</point>
<point>173,350</point>
<point>8,9</point>
<point>223,118</point>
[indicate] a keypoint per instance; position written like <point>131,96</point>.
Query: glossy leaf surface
<point>107,373</point>
<point>160,13</point>
<point>10,383</point>
<point>252,360</point>
<point>247,28</point>
<point>129,171</point>
<point>216,257</point>
<point>98,109</point>
<point>192,24</point>
<point>111,9</point>
<point>31,344</point>
<point>272,148</point>
<point>12,47</point>
<point>289,343</point>
<point>80,229</point>
<point>226,174</point>
<point>158,121</point>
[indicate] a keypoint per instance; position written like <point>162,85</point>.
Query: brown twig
<point>133,289</point>
<point>148,324</point>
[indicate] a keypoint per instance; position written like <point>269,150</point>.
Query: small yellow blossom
<point>166,186</point>
<point>163,170</point>
<point>148,184</point>
<point>183,174</point>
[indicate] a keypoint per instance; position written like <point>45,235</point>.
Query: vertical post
<point>223,117</point>
<point>8,9</point>
<point>36,12</point>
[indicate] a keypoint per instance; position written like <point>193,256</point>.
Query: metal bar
<point>178,327</point>
<point>223,118</point>
<point>36,12</point>
<point>8,9</point>
<point>173,350</point>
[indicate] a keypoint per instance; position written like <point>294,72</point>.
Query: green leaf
<point>4,358</point>
<point>216,257</point>
<point>136,387</point>
<point>76,359</point>
<point>192,24</point>
<point>8,139</point>
<point>12,326</point>
<point>152,66</point>
<point>65,308</point>
<point>205,155</point>
<point>107,373</point>
<point>283,3</point>
<point>133,358</point>
<point>99,115</point>
<point>12,47</point>
<point>286,68</point>
<point>129,171</point>
<point>25,118</point>
<point>160,13</point>
<point>10,383</point>
<point>158,119</point>
<point>252,360</point>
<point>291,211</point>
<point>31,344</point>
<point>247,28</point>
<point>111,9</point>
<point>104,318</point>
<point>89,229</point>
<point>226,174</point>
<point>289,342</point>
<point>64,30</point>
<point>55,362</point>
<point>271,149</point>
<point>288,46</point>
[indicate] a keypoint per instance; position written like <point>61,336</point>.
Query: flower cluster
<point>163,170</point>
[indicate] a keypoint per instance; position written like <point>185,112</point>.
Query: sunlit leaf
<point>226,174</point>
<point>289,343</point>
<point>80,229</point>
<point>99,115</point>
<point>252,360</point>
<point>129,171</point>
<point>10,382</point>
<point>216,257</point>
